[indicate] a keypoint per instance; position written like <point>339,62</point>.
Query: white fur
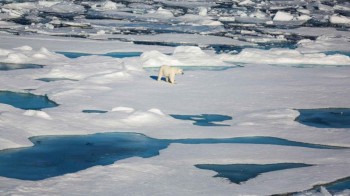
<point>169,73</point>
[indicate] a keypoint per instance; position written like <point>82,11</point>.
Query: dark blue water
<point>26,101</point>
<point>58,155</point>
<point>204,119</point>
<point>74,55</point>
<point>95,111</point>
<point>54,79</point>
<point>122,54</point>
<point>238,173</point>
<point>13,66</point>
<point>325,117</point>
<point>338,186</point>
<point>111,54</point>
<point>335,188</point>
<point>346,53</point>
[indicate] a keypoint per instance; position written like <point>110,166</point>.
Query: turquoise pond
<point>204,119</point>
<point>238,173</point>
<point>325,117</point>
<point>26,101</point>
<point>73,55</point>
<point>14,66</point>
<point>58,155</point>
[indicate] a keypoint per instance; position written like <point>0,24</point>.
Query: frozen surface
<point>135,103</point>
<point>286,56</point>
<point>207,38</point>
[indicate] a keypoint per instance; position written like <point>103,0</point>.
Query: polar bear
<point>169,73</point>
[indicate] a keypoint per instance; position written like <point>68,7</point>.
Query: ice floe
<point>285,56</point>
<point>100,93</point>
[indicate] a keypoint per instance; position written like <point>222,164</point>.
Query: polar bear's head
<point>179,71</point>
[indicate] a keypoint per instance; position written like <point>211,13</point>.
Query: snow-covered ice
<point>287,56</point>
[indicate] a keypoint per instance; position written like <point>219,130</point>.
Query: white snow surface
<point>260,98</point>
<point>324,43</point>
<point>283,16</point>
<point>336,19</point>
<point>178,38</point>
<point>285,56</point>
<point>182,56</point>
<point>74,44</point>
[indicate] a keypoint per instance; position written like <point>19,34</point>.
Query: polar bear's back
<point>167,70</point>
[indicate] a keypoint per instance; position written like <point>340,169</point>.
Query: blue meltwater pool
<point>58,155</point>
<point>26,101</point>
<point>325,117</point>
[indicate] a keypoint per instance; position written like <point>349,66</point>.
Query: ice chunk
<point>156,59</point>
<point>246,3</point>
<point>21,7</point>
<point>107,5</point>
<point>65,7</point>
<point>192,19</point>
<point>227,19</point>
<point>123,109</point>
<point>16,58</point>
<point>156,111</point>
<point>24,48</point>
<point>4,52</point>
<point>203,11</point>
<point>285,56</point>
<point>182,56</point>
<point>283,16</point>
<point>101,32</point>
<point>338,19</point>
<point>164,12</point>
<point>36,113</point>
<point>304,17</point>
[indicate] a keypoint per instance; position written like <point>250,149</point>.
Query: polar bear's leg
<point>167,78</point>
<point>172,78</point>
<point>160,74</point>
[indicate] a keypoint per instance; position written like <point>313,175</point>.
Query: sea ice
<point>122,96</point>
<point>283,16</point>
<point>285,56</point>
<point>336,19</point>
